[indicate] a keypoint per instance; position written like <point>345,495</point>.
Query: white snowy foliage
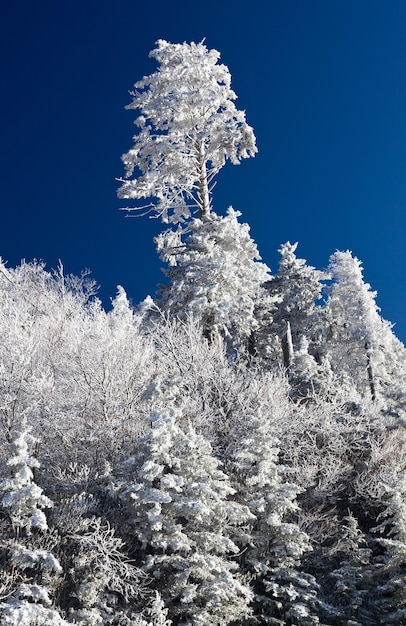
<point>68,368</point>
<point>21,497</point>
<point>351,577</point>
<point>23,613</point>
<point>274,544</point>
<point>362,348</point>
<point>188,126</point>
<point>182,517</point>
<point>216,277</point>
<point>104,582</point>
<point>34,569</point>
<point>391,535</point>
<point>291,300</point>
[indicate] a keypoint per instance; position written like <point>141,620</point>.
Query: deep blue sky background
<point>323,84</point>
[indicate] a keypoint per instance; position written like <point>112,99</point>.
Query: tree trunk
<point>370,373</point>
<point>287,346</point>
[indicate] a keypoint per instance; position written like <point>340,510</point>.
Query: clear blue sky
<point>323,84</point>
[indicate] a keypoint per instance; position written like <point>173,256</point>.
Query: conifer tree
<point>215,277</point>
<point>307,377</point>
<point>290,312</point>
<point>274,544</point>
<point>390,577</point>
<point>182,520</point>
<point>36,570</point>
<point>189,127</point>
<point>363,350</point>
<point>351,579</point>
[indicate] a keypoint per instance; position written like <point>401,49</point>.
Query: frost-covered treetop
<point>189,126</point>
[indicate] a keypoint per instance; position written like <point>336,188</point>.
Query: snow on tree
<point>274,543</point>
<point>154,615</point>
<point>101,583</point>
<point>21,612</point>
<point>182,520</point>
<point>390,577</point>
<point>215,277</point>
<point>122,311</point>
<point>351,585</point>
<point>291,312</point>
<point>21,497</point>
<point>159,613</point>
<point>189,127</point>
<point>35,569</point>
<point>308,378</point>
<point>362,348</point>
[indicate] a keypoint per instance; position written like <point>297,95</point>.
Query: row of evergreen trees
<point>323,328</point>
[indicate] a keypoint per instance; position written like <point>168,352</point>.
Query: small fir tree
<point>274,544</point>
<point>351,579</point>
<point>182,521</point>
<point>390,577</point>
<point>35,569</point>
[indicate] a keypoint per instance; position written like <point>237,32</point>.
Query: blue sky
<point>323,85</point>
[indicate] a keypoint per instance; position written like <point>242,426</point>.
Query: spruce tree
<point>34,570</point>
<point>290,312</point>
<point>215,277</point>
<point>351,579</point>
<point>390,575</point>
<point>182,519</point>
<point>364,353</point>
<point>274,544</point>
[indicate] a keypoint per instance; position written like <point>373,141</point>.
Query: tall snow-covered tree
<point>274,543</point>
<point>215,276</point>
<point>291,330</point>
<point>362,347</point>
<point>289,315</point>
<point>188,126</point>
<point>182,519</point>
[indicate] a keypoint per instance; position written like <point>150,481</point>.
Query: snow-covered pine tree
<point>351,579</point>
<point>182,520</point>
<point>188,126</point>
<point>290,312</point>
<point>34,569</point>
<point>362,348</point>
<point>390,577</point>
<point>215,277</point>
<point>274,543</point>
<point>122,314</point>
<point>158,613</point>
